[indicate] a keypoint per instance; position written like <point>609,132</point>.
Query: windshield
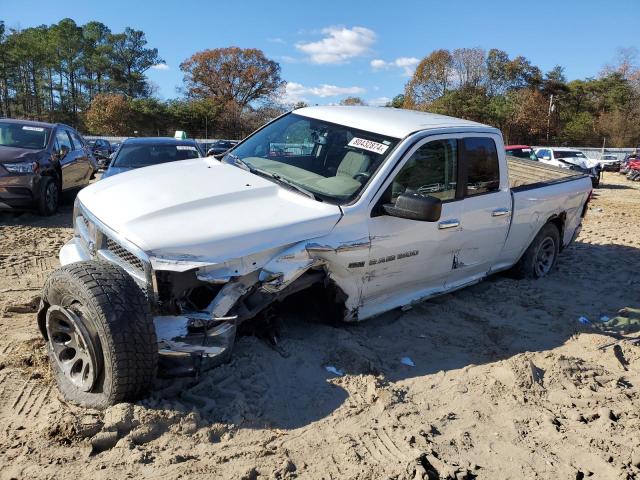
<point>331,161</point>
<point>135,155</point>
<point>23,136</point>
<point>568,154</point>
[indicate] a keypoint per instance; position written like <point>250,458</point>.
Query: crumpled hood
<point>15,155</point>
<point>581,162</point>
<point>203,210</point>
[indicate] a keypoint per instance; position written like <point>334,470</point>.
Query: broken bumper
<point>188,345</point>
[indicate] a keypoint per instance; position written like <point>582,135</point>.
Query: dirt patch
<point>500,380</point>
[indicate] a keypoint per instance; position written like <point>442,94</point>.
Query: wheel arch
<point>559,220</point>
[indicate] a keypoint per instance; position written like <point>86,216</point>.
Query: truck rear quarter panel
<point>533,208</point>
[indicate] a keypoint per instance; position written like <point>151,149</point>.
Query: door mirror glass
<point>414,206</point>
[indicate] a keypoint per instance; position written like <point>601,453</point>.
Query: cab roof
<point>392,122</point>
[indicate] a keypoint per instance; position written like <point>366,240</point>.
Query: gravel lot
<point>506,384</point>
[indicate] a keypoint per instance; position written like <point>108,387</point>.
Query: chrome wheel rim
<point>545,257</point>
<point>51,196</point>
<point>71,347</point>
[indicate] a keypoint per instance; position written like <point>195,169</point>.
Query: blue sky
<point>331,49</point>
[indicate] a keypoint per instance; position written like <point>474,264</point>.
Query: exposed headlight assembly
<point>23,167</point>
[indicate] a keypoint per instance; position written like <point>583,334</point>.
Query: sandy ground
<point>506,384</point>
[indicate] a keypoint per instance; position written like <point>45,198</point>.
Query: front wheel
<point>100,334</point>
<point>49,198</point>
<point>541,256</point>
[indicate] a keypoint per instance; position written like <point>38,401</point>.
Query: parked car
<point>521,151</point>
<point>624,165</point>
<point>221,146</point>
<point>609,163</point>
<point>633,170</point>
<point>389,208</point>
<point>143,152</point>
<point>102,150</point>
<point>39,161</point>
<point>571,159</point>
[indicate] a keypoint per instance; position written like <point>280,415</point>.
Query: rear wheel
<point>49,198</point>
<point>541,256</point>
<point>100,334</point>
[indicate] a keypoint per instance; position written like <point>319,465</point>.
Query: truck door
<point>412,258</point>
<point>485,210</point>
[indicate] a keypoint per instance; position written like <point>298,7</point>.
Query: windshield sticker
<point>185,147</point>
<point>368,145</point>
<point>33,129</point>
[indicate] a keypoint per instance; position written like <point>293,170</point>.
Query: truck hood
<point>203,210</point>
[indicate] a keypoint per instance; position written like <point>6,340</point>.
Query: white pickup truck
<point>571,159</point>
<point>383,208</point>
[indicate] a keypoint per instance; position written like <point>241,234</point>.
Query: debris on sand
<point>407,361</point>
<point>334,370</point>
<point>584,320</point>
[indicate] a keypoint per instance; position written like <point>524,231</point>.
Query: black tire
<point>48,196</point>
<point>113,312</point>
<point>528,266</point>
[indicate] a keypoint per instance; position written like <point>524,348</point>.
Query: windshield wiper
<point>284,181</point>
<point>238,161</point>
<point>264,173</point>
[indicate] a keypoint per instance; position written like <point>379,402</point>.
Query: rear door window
<point>480,157</point>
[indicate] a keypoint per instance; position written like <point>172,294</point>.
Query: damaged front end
<point>198,310</point>
<point>198,302</point>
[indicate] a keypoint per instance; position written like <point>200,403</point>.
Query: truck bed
<point>526,174</point>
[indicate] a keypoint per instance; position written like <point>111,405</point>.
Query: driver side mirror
<point>64,150</point>
<point>414,206</point>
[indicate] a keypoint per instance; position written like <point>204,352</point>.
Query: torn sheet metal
<point>345,246</point>
<point>230,294</point>
<point>286,268</point>
<point>187,345</point>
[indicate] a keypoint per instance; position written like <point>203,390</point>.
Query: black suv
<point>38,161</point>
<point>102,150</point>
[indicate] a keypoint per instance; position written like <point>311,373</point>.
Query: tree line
<point>54,72</point>
<point>530,106</point>
<point>95,79</point>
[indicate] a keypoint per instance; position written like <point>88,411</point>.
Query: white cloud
<point>160,66</point>
<point>407,64</point>
<point>378,64</point>
<point>339,45</point>
<point>275,40</point>
<point>296,92</point>
<point>379,101</point>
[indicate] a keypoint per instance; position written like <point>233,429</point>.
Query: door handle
<point>454,222</point>
<point>499,212</point>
